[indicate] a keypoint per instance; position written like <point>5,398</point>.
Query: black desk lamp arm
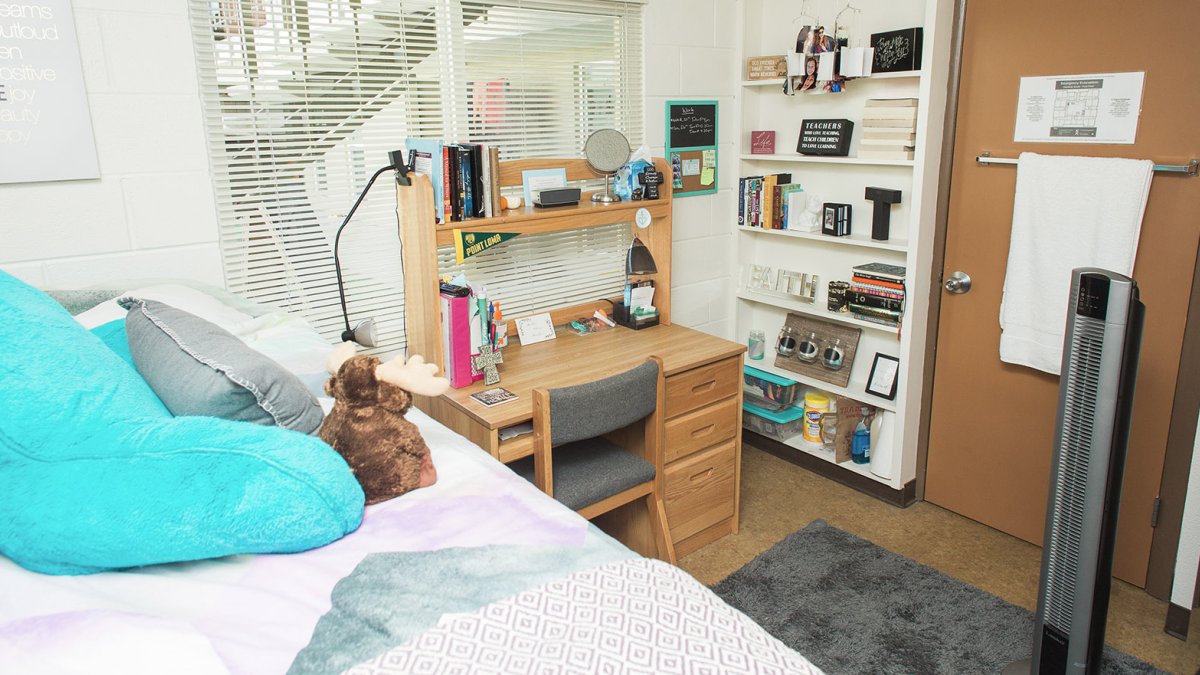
<point>348,335</point>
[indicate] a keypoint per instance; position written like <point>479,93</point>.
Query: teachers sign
<point>45,127</point>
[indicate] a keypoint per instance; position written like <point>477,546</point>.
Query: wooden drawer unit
<point>701,428</point>
<point>700,386</point>
<point>701,490</point>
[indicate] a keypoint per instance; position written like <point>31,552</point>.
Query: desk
<point>702,445</point>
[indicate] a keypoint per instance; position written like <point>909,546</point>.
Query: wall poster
<point>45,124</point>
<point>692,147</point>
<point>1101,108</point>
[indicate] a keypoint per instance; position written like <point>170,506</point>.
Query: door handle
<point>958,283</point>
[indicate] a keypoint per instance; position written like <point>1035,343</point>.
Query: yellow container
<point>815,407</point>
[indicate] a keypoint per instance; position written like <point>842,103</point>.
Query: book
<point>782,193</point>
<point>867,153</point>
<point>858,286</point>
<point>425,154</point>
<point>879,313</point>
<point>485,170</point>
<point>768,193</point>
<point>888,135</point>
<point>466,183</point>
<point>447,208</point>
<point>494,161</point>
<point>456,338</point>
<point>882,270</point>
<point>892,102</point>
<point>879,301</point>
<point>885,144</point>
<point>741,212</point>
<point>879,122</point>
<point>494,396</point>
<point>889,113</point>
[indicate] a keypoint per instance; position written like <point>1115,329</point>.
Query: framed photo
<point>883,377</point>
<point>534,181</point>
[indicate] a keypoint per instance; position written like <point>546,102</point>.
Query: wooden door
<point>992,424</point>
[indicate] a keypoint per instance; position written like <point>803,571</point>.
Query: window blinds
<point>303,99</point>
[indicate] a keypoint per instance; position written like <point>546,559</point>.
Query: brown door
<point>992,424</point>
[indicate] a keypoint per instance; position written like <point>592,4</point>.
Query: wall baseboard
<point>1177,621</point>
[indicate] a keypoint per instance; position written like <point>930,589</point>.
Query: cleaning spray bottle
<point>860,448</point>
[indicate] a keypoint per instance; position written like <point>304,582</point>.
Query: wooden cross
<point>486,361</point>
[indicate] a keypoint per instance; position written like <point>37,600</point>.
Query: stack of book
<point>889,129</point>
<point>877,293</point>
<point>763,200</point>
<point>464,177</point>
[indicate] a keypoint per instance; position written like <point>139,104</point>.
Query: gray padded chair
<point>598,446</point>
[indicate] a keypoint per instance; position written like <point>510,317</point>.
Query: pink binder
<point>456,339</point>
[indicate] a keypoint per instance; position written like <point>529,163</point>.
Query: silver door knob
<point>959,283</point>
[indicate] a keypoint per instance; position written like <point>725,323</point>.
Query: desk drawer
<point>700,490</point>
<point>701,386</point>
<point>700,428</point>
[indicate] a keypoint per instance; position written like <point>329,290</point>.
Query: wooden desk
<point>702,444</point>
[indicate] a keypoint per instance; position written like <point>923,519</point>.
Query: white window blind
<point>304,98</point>
<point>539,272</point>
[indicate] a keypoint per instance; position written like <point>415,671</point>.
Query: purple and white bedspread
<point>632,616</point>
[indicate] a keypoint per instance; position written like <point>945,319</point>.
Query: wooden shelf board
<point>860,240</point>
<point>778,81</point>
<point>855,391</point>
<point>814,449</point>
<point>813,310</point>
<point>798,159</point>
<point>533,220</point>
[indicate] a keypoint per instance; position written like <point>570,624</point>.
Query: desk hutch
<point>701,458</point>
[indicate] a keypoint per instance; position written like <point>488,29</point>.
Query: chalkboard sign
<point>896,51</point>
<point>692,147</point>
<point>692,125</point>
<point>825,137</point>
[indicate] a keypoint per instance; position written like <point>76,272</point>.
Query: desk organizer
<point>623,317</point>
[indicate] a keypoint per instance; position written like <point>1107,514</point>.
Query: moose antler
<point>415,377</point>
<point>338,356</point>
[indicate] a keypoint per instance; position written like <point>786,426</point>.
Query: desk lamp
<point>364,331</point>
<point>637,261</point>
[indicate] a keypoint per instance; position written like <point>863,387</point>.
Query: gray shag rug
<point>850,606</point>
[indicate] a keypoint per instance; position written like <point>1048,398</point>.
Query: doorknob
<point>958,283</point>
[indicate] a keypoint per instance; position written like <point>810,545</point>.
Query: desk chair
<point>598,446</point>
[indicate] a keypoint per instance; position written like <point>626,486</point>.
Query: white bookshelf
<point>769,27</point>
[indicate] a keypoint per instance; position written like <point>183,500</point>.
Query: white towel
<point>1068,212</point>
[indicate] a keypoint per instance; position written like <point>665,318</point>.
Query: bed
<point>479,573</point>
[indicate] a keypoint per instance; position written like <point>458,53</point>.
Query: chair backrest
<point>595,408</point>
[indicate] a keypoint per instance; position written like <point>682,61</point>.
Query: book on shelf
<point>867,153</point>
<point>901,135</point>
<point>882,123</point>
<point>892,103</point>
<point>872,318</point>
<point>867,298</point>
<point>465,177</point>
<point>759,201</point>
<point>879,270</point>
<point>875,288</point>
<point>902,114</point>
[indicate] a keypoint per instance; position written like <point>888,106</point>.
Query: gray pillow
<point>199,368</point>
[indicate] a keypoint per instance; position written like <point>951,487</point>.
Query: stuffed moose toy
<point>367,427</point>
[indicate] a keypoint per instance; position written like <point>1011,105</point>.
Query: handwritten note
<point>692,125</point>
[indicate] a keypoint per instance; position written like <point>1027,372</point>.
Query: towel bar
<point>1189,169</point>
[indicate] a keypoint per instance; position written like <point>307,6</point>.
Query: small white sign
<point>534,329</point>
<point>1102,108</point>
<point>45,125</point>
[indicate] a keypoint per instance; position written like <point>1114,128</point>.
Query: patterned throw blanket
<point>633,616</point>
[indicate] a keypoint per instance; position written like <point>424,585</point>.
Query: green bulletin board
<point>692,147</point>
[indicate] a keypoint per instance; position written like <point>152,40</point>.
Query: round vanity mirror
<point>606,151</point>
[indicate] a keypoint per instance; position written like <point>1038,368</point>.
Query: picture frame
<point>882,381</point>
<point>534,181</point>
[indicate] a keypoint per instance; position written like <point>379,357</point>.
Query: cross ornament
<point>486,361</point>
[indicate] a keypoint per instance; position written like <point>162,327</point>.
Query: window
<point>304,98</point>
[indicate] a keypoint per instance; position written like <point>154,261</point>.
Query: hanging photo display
<point>692,147</point>
<point>814,66</point>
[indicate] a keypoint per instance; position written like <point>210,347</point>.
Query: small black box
<point>556,197</point>
<point>836,221</point>
<point>825,137</point>
<point>896,51</point>
<point>622,316</point>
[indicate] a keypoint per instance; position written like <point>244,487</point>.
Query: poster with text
<point>45,124</point>
<point>1100,108</point>
<point>691,135</point>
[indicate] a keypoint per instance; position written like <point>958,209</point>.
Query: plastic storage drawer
<point>767,390</point>
<point>778,424</point>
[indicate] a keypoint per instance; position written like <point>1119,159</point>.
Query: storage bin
<point>778,424</point>
<point>767,390</point>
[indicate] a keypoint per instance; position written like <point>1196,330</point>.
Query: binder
<point>456,339</point>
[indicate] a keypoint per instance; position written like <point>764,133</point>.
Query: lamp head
<point>639,260</point>
<point>363,333</point>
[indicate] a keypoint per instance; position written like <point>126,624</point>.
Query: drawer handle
<point>707,386</point>
<point>703,431</point>
<point>702,475</point>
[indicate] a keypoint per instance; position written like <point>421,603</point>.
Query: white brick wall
<point>690,54</point>
<point>152,212</point>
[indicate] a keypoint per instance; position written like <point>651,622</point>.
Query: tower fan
<point>1095,401</point>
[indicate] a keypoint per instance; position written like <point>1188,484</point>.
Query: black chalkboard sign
<point>691,125</point>
<point>825,137</point>
<point>896,51</point>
